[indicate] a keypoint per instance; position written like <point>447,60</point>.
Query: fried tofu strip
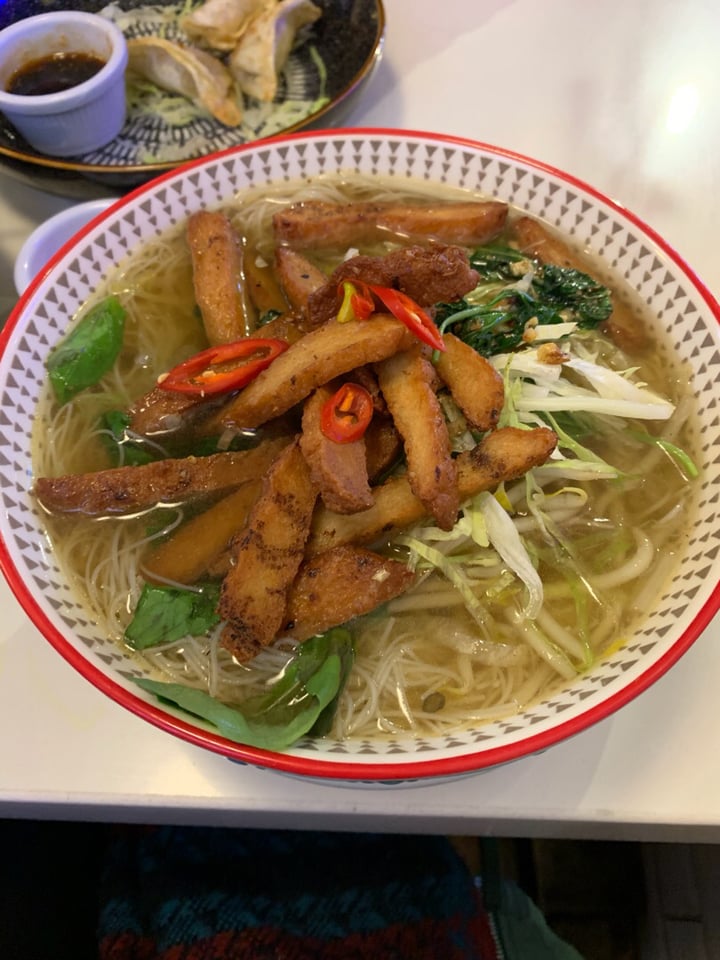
<point>298,277</point>
<point>262,285</point>
<point>267,556</point>
<point>314,359</point>
<point>405,380</point>
<point>316,224</point>
<point>622,327</point>
<point>504,454</point>
<point>217,264</point>
<point>383,446</point>
<point>124,490</point>
<point>428,275</point>
<point>476,386</point>
<point>191,551</point>
<point>160,412</point>
<point>338,469</point>
<point>467,224</point>
<point>339,585</point>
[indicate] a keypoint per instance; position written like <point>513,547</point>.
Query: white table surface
<point>623,94</point>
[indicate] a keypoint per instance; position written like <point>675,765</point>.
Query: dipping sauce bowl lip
<point>21,30</point>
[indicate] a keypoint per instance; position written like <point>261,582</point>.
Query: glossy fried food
<point>340,584</point>
<point>428,275</point>
<point>314,359</point>
<point>406,382</point>
<point>476,386</point>
<point>191,551</point>
<point>338,469</point>
<point>188,70</point>
<point>504,454</point>
<point>120,491</point>
<point>622,326</point>
<point>160,412</point>
<point>298,278</point>
<point>266,556</point>
<point>217,265</point>
<point>317,224</point>
<point>262,284</point>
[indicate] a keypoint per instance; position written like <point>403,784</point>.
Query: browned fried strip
<point>316,224</point>
<point>340,584</point>
<point>474,383</point>
<point>217,274</point>
<point>267,555</point>
<point>405,380</point>
<point>504,454</point>
<point>298,277</point>
<point>622,326</point>
<point>383,446</point>
<point>466,223</point>
<point>160,412</point>
<point>191,551</point>
<point>338,469</point>
<point>124,490</point>
<point>313,360</point>
<point>262,285</point>
<point>428,275</point>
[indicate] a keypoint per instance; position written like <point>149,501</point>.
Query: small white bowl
<point>81,118</point>
<point>46,239</point>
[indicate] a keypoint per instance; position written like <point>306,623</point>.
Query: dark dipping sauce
<point>53,73</point>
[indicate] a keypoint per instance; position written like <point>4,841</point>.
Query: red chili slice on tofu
<point>346,415</point>
<point>223,368</point>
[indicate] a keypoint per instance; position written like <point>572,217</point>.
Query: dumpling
<point>220,23</point>
<point>265,46</point>
<point>188,71</point>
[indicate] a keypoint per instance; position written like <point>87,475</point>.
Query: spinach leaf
<point>165,614</point>
<point>308,686</point>
<point>568,289</point>
<point>88,351</point>
<point>493,318</point>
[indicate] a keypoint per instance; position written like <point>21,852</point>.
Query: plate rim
<point>157,168</point>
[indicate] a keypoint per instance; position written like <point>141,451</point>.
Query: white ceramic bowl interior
<point>81,118</point>
<point>52,234</point>
<point>684,310</point>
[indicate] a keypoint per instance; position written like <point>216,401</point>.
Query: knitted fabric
<point>172,893</point>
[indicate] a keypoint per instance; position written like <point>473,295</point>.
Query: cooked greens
<point>165,614</point>
<point>517,294</point>
<point>298,703</point>
<point>88,351</point>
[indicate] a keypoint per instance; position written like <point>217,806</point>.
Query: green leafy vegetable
<point>165,614</point>
<point>516,291</point>
<point>88,351</point>
<point>297,704</point>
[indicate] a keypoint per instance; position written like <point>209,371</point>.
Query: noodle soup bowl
<point>685,316</point>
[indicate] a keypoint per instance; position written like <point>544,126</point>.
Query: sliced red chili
<point>226,367</point>
<point>404,308</point>
<point>357,304</point>
<point>346,415</point>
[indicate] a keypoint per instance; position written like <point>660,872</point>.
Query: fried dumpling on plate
<point>265,46</point>
<point>186,70</point>
<point>220,23</point>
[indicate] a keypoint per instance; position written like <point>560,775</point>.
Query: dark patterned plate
<point>330,62</point>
